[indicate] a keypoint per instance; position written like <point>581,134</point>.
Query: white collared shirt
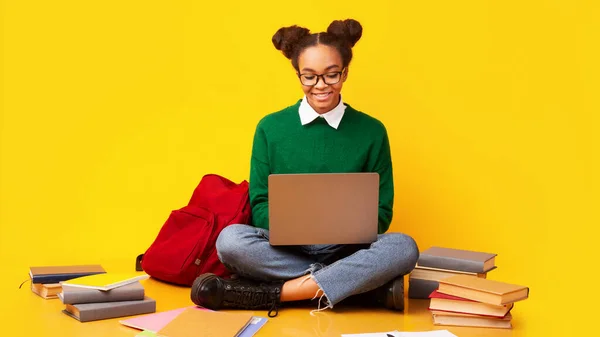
<point>333,117</point>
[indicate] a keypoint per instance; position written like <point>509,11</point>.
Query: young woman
<point>319,134</point>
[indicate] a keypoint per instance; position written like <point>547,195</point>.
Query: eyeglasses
<point>330,78</point>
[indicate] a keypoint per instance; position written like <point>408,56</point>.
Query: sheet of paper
<point>375,334</point>
<point>434,333</point>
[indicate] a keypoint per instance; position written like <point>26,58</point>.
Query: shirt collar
<point>333,117</point>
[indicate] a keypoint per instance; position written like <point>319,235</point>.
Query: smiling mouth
<point>322,96</point>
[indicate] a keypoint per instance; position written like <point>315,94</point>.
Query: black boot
<point>389,295</point>
<point>213,292</point>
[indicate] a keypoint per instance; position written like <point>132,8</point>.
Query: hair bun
<point>287,38</point>
<point>349,30</point>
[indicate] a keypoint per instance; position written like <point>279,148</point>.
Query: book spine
<point>451,263</point>
<point>99,296</point>
<point>421,289</point>
<point>128,308</point>
<point>56,278</point>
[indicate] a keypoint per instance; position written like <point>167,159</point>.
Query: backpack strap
<point>138,262</point>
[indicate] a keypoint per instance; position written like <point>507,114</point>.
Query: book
<point>152,323</point>
<point>191,322</point>
<point>104,282</point>
<point>56,274</point>
<point>78,295</point>
<point>483,290</point>
<point>436,274</point>
<point>421,289</point>
<point>457,259</point>
<point>97,311</point>
<point>449,313</point>
<point>47,290</point>
<point>472,320</point>
<point>449,303</point>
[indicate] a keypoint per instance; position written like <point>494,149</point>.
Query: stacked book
<point>45,280</point>
<point>462,300</point>
<point>438,263</point>
<point>105,296</point>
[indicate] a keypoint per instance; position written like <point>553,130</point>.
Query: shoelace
<point>252,299</point>
<point>274,307</point>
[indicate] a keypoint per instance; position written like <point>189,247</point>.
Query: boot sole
<point>398,294</point>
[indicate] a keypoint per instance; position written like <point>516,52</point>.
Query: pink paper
<point>155,322</point>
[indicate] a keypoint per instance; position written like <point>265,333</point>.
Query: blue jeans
<point>339,270</point>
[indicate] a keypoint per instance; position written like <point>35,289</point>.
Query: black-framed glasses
<point>330,78</point>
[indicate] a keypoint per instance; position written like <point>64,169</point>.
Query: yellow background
<point>114,110</point>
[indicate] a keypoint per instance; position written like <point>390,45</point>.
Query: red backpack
<point>185,245</point>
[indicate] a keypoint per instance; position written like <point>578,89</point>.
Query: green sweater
<point>283,145</point>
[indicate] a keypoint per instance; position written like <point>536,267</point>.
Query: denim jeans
<point>339,270</point>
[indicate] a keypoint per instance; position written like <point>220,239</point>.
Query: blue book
<point>255,324</point>
<point>56,274</point>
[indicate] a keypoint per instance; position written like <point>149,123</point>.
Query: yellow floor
<point>27,314</point>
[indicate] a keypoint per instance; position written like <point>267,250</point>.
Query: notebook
<point>483,290</point>
<point>157,321</point>
<point>56,274</point>
<point>97,311</point>
<point>323,208</point>
<point>206,323</point>
<point>106,281</point>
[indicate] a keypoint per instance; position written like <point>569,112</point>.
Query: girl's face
<point>326,61</point>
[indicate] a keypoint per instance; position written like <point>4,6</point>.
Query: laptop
<point>323,208</point>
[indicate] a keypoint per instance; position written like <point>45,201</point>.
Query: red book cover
<point>477,308</point>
